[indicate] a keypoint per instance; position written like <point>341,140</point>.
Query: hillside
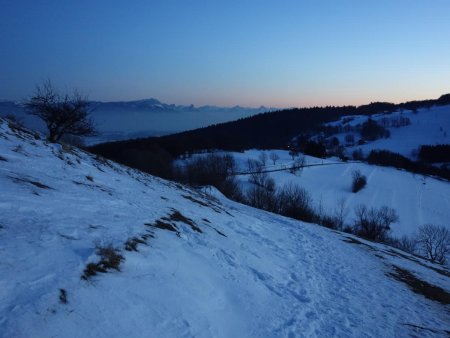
<point>417,199</point>
<point>426,126</point>
<point>204,266</point>
<point>270,130</point>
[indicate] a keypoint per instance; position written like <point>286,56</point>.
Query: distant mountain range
<point>142,118</point>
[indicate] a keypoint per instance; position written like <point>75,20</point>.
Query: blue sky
<point>273,53</point>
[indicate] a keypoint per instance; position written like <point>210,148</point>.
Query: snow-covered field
<point>228,270</point>
<point>428,127</point>
<point>417,199</point>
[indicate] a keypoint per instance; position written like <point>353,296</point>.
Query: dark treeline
<point>388,158</point>
<point>435,153</point>
<point>263,131</point>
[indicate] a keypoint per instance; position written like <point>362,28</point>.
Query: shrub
<point>256,172</point>
<point>371,130</point>
<point>295,202</point>
<point>434,242</point>
<point>435,153</point>
<point>388,158</point>
<point>316,149</point>
<point>374,224</point>
<point>358,155</point>
<point>359,181</point>
<point>262,198</point>
<point>298,165</point>
<point>404,243</point>
<point>215,170</point>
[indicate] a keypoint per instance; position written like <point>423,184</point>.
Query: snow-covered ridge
<point>427,126</point>
<point>226,271</point>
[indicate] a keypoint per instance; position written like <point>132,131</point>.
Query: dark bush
<point>374,224</point>
<point>359,181</point>
<point>295,202</point>
<point>358,155</point>
<point>316,149</point>
<point>262,198</point>
<point>371,130</point>
<point>435,153</point>
<point>404,243</point>
<point>256,172</point>
<point>388,158</point>
<point>215,170</point>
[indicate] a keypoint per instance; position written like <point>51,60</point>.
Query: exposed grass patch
<point>220,233</point>
<point>110,259</point>
<point>426,289</point>
<point>97,186</point>
<point>192,199</point>
<point>420,329</point>
<point>148,235</point>
<point>355,241</point>
<point>39,185</point>
<point>132,243</point>
<point>204,204</point>
<point>63,296</point>
<point>176,216</point>
<point>441,270</point>
<point>168,222</point>
<point>164,225</point>
<point>26,180</point>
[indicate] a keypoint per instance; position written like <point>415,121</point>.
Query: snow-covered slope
<point>417,199</point>
<point>226,271</point>
<point>428,126</point>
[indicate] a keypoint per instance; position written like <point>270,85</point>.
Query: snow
<point>269,276</point>
<point>428,127</point>
<point>417,199</point>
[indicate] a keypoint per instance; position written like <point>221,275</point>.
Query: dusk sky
<point>250,53</point>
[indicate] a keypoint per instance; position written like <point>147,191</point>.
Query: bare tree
<point>274,157</point>
<point>298,165</point>
<point>62,114</point>
<point>293,153</point>
<point>263,158</point>
<point>256,172</point>
<point>340,214</point>
<point>434,242</point>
